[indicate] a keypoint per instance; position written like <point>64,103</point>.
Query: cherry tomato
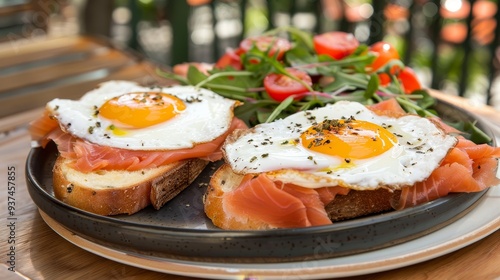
<point>264,43</point>
<point>279,86</point>
<point>384,52</point>
<point>409,80</point>
<point>230,58</point>
<point>336,44</point>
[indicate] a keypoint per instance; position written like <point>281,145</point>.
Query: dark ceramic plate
<point>180,229</point>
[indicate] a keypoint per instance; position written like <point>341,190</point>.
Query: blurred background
<point>452,44</point>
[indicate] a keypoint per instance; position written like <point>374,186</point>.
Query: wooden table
<point>31,73</point>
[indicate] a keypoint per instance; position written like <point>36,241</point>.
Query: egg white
<point>203,120</point>
<point>270,148</point>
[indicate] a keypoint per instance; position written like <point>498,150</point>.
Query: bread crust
<point>91,192</point>
<point>360,203</point>
<point>170,184</point>
<point>353,205</point>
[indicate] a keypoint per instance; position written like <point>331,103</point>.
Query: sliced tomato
<point>280,86</point>
<point>275,45</point>
<point>384,52</point>
<point>336,44</point>
<point>409,80</point>
<point>230,58</point>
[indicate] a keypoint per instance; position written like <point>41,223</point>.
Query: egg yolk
<point>141,109</point>
<point>349,139</point>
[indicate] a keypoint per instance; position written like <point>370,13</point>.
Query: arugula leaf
<point>372,87</point>
<point>195,76</point>
<point>471,132</point>
<point>248,110</point>
<point>237,85</point>
<point>427,101</point>
<point>343,80</point>
<point>283,105</point>
<point>298,57</point>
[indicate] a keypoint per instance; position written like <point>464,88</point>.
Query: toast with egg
<point>344,207</point>
<point>337,162</point>
<point>122,146</point>
<point>112,192</point>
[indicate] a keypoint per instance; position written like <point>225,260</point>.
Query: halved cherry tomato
<point>267,43</point>
<point>336,44</point>
<point>230,58</point>
<point>384,52</point>
<point>409,80</point>
<point>279,86</point>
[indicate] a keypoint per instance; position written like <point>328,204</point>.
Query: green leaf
<point>372,87</point>
<point>298,57</point>
<point>343,80</point>
<point>472,132</point>
<point>248,111</point>
<point>283,105</point>
<point>195,76</point>
<point>427,101</point>
<point>301,38</point>
<point>476,135</point>
<point>237,85</point>
<point>412,107</point>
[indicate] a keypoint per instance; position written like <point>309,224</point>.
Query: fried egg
<point>342,144</point>
<point>122,114</point>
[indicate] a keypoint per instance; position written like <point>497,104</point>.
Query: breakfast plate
<point>179,237</point>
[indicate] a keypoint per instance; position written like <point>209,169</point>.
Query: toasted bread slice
<point>353,205</point>
<point>123,192</point>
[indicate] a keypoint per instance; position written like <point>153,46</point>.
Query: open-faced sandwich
<point>341,161</point>
<point>123,147</point>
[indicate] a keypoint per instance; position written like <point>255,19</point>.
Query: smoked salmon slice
<point>41,127</point>
<point>389,108</point>
<point>88,157</point>
<point>468,167</point>
<point>280,205</point>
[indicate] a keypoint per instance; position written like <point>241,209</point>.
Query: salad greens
<point>350,78</point>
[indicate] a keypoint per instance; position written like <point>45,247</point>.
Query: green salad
<point>287,70</point>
